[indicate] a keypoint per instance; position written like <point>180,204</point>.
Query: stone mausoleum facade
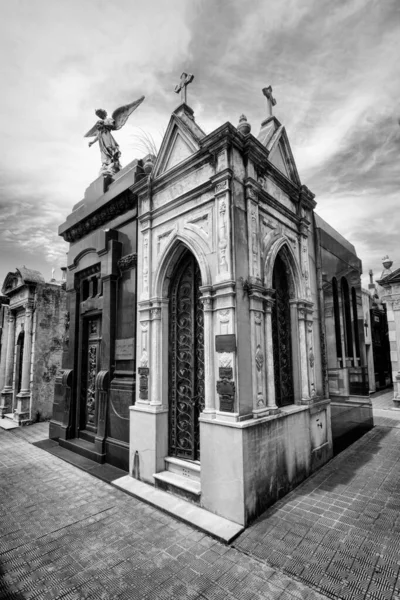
<point>196,356</point>
<point>32,326</point>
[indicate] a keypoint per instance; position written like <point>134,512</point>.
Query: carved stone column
<point>310,352</point>
<point>305,394</point>
<point>6,394</point>
<point>155,361</point>
<point>23,398</point>
<point>222,197</point>
<point>258,351</point>
<point>269,353</point>
<point>209,387</point>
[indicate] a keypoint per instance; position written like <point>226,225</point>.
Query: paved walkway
<point>340,530</point>
<point>65,534</point>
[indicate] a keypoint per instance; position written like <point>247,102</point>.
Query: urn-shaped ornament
<point>244,127</point>
<point>148,163</point>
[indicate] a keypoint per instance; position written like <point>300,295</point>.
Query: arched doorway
<point>186,359</point>
<point>281,336</point>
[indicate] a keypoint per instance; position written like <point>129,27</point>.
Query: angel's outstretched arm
<point>96,139</point>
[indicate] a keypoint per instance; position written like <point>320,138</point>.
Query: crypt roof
<point>21,276</point>
<point>390,278</point>
<point>321,224</point>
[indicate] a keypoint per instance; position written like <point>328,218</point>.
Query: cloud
<point>333,67</point>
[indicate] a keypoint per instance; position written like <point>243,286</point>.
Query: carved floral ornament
<point>127,262</point>
<point>225,360</point>
<point>259,358</point>
<point>156,313</point>
<point>221,186</point>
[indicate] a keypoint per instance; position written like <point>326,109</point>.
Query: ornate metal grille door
<point>186,360</point>
<point>90,368</point>
<point>281,336</point>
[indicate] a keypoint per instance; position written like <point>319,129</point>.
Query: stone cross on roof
<point>186,78</point>
<point>271,100</point>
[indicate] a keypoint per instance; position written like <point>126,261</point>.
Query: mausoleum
<point>197,357</point>
<point>32,327</point>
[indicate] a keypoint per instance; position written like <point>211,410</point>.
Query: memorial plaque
<point>143,385</point>
<point>226,403</point>
<point>225,387</point>
<point>225,343</point>
<point>225,372</point>
<point>125,349</point>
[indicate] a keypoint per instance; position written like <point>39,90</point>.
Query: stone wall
<point>50,328</point>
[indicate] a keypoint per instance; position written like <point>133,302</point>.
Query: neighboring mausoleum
<point>32,327</point>
<point>390,295</point>
<point>196,356</point>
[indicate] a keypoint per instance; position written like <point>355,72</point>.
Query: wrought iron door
<point>90,368</point>
<point>186,360</point>
<point>281,336</point>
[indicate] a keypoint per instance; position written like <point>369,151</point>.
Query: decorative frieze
<point>127,262</point>
<point>110,211</point>
<point>145,270</point>
<point>222,238</point>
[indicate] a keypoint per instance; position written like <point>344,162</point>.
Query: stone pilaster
<point>209,380</point>
<point>258,352</point>
<point>156,358</point>
<point>6,394</point>
<point>22,412</point>
<point>304,378</point>
<point>269,353</point>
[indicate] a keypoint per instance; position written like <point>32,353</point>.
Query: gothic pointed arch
<point>186,358</point>
<point>176,246</point>
<point>282,343</point>
<point>274,244</point>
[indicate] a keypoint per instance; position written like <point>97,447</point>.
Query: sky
<point>333,67</point>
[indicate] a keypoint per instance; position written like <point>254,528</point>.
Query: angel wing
<point>121,114</point>
<point>92,132</point>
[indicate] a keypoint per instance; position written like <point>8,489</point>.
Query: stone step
<point>181,486</point>
<point>184,468</point>
<point>201,519</point>
<point>83,448</point>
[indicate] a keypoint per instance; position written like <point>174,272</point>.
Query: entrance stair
<point>181,478</point>
<point>83,446</point>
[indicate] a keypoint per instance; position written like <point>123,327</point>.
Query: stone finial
<point>387,263</point>
<point>271,100</point>
<point>244,126</point>
<point>186,78</point>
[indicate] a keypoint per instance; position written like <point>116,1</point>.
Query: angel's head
<point>101,113</point>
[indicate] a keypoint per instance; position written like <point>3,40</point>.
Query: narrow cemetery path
<point>66,534</point>
<point>340,530</point>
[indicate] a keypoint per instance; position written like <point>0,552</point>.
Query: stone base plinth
<point>246,466</point>
<point>148,441</point>
<point>5,403</point>
<point>22,412</point>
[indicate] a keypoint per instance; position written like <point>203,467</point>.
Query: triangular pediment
<point>274,138</point>
<point>181,140</point>
<point>281,156</point>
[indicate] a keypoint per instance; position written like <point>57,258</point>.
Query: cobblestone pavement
<point>340,530</point>
<point>383,400</point>
<point>65,534</point>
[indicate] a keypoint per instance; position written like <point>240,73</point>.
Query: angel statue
<point>101,132</point>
